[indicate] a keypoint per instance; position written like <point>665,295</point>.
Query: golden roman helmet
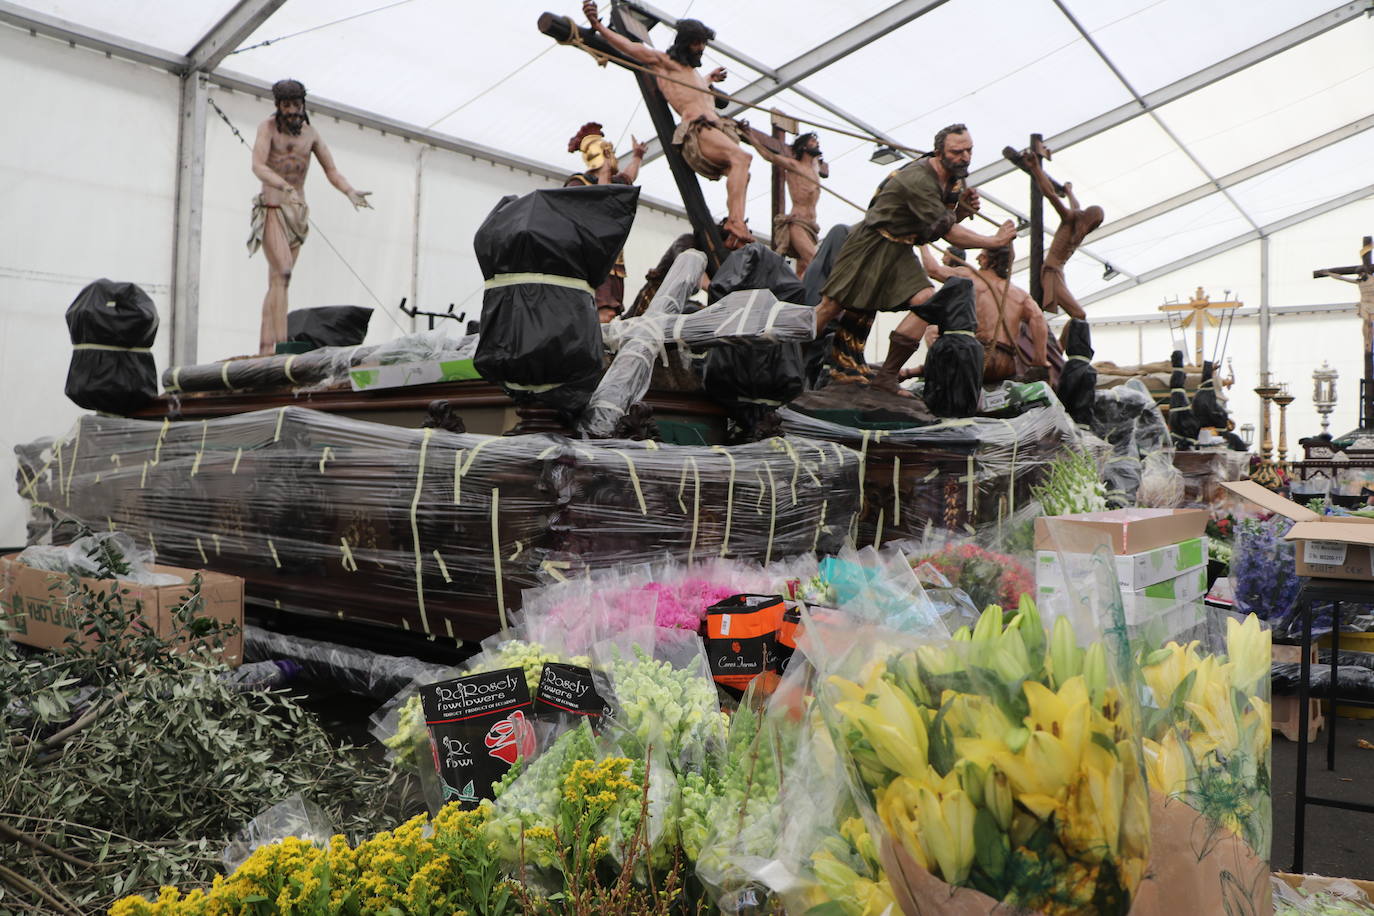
<point>593,145</point>
<point>596,149</point>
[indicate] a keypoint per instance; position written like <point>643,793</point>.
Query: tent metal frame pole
<point>188,223</point>
<point>1265,317</point>
<point>1187,85</point>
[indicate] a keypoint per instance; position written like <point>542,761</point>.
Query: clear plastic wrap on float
<point>428,530</point>
<point>966,475</point>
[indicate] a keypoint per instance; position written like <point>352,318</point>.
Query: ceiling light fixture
<point>884,155</point>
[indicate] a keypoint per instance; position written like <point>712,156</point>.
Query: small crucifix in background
<point>1362,275</point>
<point>1200,311</point>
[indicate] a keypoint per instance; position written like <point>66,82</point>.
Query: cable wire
<point>316,28</point>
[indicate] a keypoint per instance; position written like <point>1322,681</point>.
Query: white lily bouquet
<point>1001,769</point>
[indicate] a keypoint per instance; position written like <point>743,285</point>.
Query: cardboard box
<point>1187,586</point>
<point>399,375</point>
<point>37,615</point>
<point>1137,570</point>
<point>1130,530</point>
<point>1328,546</point>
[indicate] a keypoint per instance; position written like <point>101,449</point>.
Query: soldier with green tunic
<point>877,269</point>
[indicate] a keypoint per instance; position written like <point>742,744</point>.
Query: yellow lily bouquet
<point>1207,755</point>
<point>1000,769</point>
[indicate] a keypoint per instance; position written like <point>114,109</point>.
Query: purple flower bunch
<point>1263,575</point>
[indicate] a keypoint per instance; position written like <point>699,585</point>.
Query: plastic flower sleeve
<point>1002,769</point>
<point>1202,679</point>
<point>293,817</point>
<point>823,854</point>
<point>1208,759</point>
<point>740,816</point>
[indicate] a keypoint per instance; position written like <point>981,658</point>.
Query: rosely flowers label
<point>479,725</point>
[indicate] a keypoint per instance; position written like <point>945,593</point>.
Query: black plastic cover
<point>116,321</point>
<point>1078,379</point>
<point>954,366</point>
<point>541,341</point>
<point>329,325</point>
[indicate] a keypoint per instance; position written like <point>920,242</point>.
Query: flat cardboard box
<point>1137,570</point>
<point>1328,546</point>
<point>400,375</point>
<point>1131,530</point>
<point>37,615</point>
<point>1190,585</point>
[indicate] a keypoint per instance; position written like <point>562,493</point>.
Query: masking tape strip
<point>152,544</point>
<point>201,547</point>
<point>796,465</point>
<point>763,491</point>
<point>651,445</point>
<point>109,523</point>
<point>325,456</point>
<point>968,507</point>
<point>224,375</point>
<point>111,347</point>
<point>729,499</point>
<point>496,555</point>
<point>1075,356</point>
<point>215,539</point>
<point>535,389</point>
<point>273,547</point>
<point>773,314</point>
<point>772,515</point>
<point>820,525</point>
<point>161,434</point>
<point>61,468</point>
<point>682,482</point>
<point>415,528</point>
<point>555,569</point>
<point>176,379</point>
<point>458,476</point>
<point>516,279</point>
<point>238,454</point>
<point>287,368</point>
<point>696,509</point>
<point>1011,474</point>
<point>634,481</point>
<point>896,492</point>
<point>519,549</point>
<point>863,465</point>
<point>443,567</point>
<point>143,478</point>
<point>349,563</point>
<point>281,415</point>
<point>878,531</point>
<point>71,468</point>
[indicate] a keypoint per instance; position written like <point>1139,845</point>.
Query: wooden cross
<point>1203,307</point>
<point>1362,275</point>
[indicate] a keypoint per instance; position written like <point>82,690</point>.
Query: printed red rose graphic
<point>511,737</point>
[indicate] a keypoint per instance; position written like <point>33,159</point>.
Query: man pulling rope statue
<point>877,269</point>
<point>281,219</point>
<point>710,145</point>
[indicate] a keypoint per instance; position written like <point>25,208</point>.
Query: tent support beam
<point>186,229</point>
<point>1222,247</point>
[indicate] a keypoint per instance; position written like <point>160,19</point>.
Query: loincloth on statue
<point>1051,285</point>
<point>874,273</point>
<point>295,219</point>
<point>782,233</point>
<point>999,361</point>
<point>687,138</point>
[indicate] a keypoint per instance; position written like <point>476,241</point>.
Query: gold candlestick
<point>1265,474</point>
<point>1283,399</point>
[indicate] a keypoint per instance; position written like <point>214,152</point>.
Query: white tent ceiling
<point>1196,125</point>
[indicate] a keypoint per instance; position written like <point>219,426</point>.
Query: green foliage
<point>138,761</point>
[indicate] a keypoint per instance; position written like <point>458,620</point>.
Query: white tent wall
<point>88,171</point>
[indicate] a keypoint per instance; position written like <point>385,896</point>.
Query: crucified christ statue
<point>797,233</point>
<point>710,145</point>
<point>281,157</point>
<point>1075,223</point>
<point>1362,275</point>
